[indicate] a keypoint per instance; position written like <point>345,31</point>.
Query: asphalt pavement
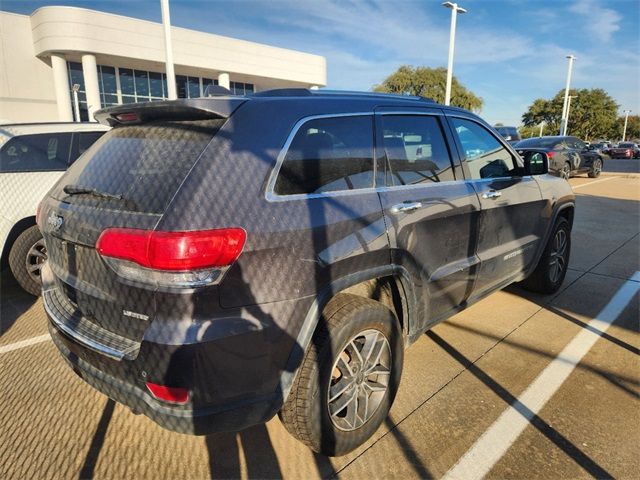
<point>517,386</point>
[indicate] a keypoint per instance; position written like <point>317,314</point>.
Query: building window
<point>108,86</point>
<point>239,88</point>
<point>77,77</point>
<point>188,87</point>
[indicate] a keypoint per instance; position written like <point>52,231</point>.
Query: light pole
<point>624,130</point>
<point>541,128</point>
<point>566,120</point>
<point>563,121</point>
<point>76,103</point>
<point>452,40</point>
<point>171,75</point>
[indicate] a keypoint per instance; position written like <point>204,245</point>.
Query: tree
<point>592,115</point>
<point>633,128</point>
<point>429,82</point>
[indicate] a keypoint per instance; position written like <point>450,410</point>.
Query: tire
<point>546,278</point>
<point>26,257</point>
<point>349,323</point>
<point>565,172</point>
<point>596,168</point>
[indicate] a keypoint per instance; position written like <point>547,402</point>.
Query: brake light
<point>550,155</point>
<point>175,395</point>
<point>173,251</point>
<point>127,117</point>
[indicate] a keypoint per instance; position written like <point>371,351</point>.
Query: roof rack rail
<point>305,92</point>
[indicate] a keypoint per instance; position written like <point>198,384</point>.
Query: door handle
<point>406,207</point>
<point>491,194</point>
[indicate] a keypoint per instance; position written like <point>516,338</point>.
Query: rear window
<point>145,164</point>
<point>539,142</point>
<point>327,155</point>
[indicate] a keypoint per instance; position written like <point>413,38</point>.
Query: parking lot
<point>517,386</point>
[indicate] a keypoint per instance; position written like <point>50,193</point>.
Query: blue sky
<point>509,52</point>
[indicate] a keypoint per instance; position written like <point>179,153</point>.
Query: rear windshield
<point>627,145</point>
<point>539,142</point>
<point>508,132</point>
<point>144,164</point>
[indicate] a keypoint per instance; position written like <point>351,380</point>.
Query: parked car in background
<point>210,267</point>
<point>601,147</point>
<point>32,158</point>
<point>625,150</point>
<point>510,134</point>
<point>567,156</point>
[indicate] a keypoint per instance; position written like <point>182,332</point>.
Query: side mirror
<point>535,163</point>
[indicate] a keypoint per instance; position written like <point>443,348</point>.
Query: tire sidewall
<point>333,441</point>
<point>560,224</point>
<point>18,256</point>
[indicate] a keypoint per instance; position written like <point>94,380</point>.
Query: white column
<point>61,85</point>
<point>172,93</point>
<point>223,80</point>
<point>90,73</point>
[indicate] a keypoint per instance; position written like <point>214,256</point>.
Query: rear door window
<point>415,149</point>
<point>36,153</point>
<point>145,164</point>
<point>483,153</point>
<point>328,155</point>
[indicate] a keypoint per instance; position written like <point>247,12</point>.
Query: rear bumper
<point>232,416</point>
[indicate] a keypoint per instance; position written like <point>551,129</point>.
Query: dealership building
<point>113,59</point>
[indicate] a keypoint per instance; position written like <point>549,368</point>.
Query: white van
<point>32,158</point>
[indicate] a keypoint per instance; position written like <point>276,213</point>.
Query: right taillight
<point>550,155</point>
<point>171,258</point>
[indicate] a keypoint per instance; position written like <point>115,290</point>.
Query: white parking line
<point>495,442</point>
<point>595,181</point>
<point>24,343</point>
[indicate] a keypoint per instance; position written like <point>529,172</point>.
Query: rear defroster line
<point>495,442</point>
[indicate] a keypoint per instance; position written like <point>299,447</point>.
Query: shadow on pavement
<point>97,442</point>
<point>13,301</point>
<point>577,455</point>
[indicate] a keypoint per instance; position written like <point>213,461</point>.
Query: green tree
<point>592,115</point>
<point>633,128</point>
<point>429,82</point>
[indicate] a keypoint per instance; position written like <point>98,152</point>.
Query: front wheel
<point>596,168</point>
<point>552,266</point>
<point>348,378</point>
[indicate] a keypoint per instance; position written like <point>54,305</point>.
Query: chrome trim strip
<point>85,341</point>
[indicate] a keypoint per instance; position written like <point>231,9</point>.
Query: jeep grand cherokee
<point>215,261</point>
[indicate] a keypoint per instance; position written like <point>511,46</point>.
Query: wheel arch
<point>19,227</point>
<point>363,283</point>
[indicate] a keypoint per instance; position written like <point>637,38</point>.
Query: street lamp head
<point>626,111</point>
<point>573,57</point>
<point>454,6</point>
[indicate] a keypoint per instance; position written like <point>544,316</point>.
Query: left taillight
<point>171,258</point>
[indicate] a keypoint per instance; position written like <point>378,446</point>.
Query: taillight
<point>175,395</point>
<point>550,155</point>
<point>171,258</point>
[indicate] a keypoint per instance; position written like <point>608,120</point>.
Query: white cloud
<point>601,22</point>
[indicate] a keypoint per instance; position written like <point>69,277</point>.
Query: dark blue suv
<point>215,261</point>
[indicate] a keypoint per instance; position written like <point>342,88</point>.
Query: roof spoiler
<point>187,109</point>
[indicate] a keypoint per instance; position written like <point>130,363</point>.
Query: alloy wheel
<point>359,380</point>
<point>36,256</point>
<point>558,258</point>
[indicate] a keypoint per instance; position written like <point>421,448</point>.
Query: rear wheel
<point>596,168</point>
<point>26,257</point>
<point>349,377</point>
<point>566,171</point>
<point>552,267</point>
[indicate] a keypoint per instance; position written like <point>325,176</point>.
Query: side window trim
<point>272,196</point>
<point>462,158</point>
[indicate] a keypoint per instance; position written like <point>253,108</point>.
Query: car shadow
<point>13,301</point>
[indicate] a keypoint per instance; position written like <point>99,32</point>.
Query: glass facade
<point>126,85</point>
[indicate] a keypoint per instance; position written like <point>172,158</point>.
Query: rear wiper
<point>80,190</point>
